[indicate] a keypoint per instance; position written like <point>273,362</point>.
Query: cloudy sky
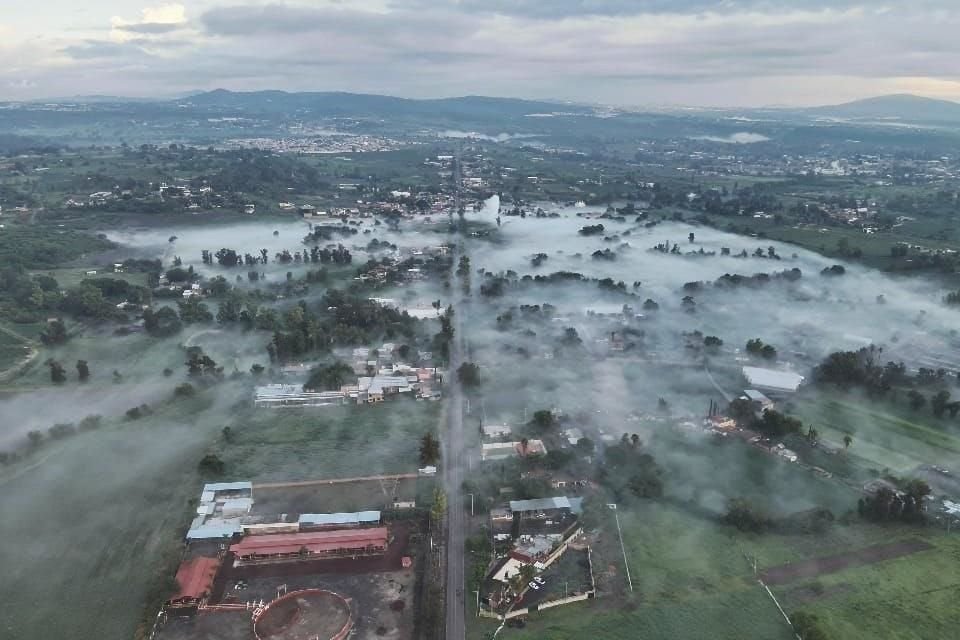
<point>626,52</point>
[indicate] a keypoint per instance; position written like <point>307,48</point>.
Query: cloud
<point>622,51</point>
<point>162,19</point>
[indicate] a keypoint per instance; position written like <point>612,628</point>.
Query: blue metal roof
<point>228,486</point>
<point>541,504</point>
<point>365,517</point>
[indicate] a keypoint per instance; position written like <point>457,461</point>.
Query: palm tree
<point>847,441</point>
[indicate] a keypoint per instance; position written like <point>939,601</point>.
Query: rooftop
<point>544,504</point>
<point>324,519</point>
<point>313,542</point>
<point>772,379</point>
<point>195,578</point>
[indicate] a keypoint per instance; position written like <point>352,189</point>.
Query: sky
<point>620,52</point>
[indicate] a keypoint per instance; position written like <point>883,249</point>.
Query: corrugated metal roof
<point>540,504</point>
<point>320,519</point>
<point>772,379</point>
<point>238,504</point>
<point>195,577</point>
<point>213,530</point>
<point>228,486</point>
<point>315,542</point>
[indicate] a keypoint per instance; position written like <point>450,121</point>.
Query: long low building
<point>314,544</point>
<point>293,395</point>
<point>338,520</point>
<point>772,379</point>
<point>194,582</point>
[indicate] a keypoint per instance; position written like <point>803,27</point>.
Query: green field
<point>98,523</point>
<point>908,598</point>
<point>271,445</point>
<point>12,348</point>
<point>885,436</point>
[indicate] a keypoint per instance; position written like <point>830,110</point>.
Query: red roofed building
<point>195,579</point>
<point>314,544</point>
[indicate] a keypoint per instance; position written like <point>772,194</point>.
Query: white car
<point>539,580</point>
<point>533,585</point>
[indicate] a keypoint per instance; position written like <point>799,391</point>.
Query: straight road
<point>453,481</point>
<point>454,461</point>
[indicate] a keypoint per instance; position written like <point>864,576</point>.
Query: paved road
<point>453,473</point>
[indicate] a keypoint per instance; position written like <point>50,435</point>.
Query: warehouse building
<point>310,545</point>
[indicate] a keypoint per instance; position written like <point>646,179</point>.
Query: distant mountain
<point>906,107</point>
<point>358,104</point>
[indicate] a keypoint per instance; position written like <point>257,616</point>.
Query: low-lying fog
<point>813,315</point>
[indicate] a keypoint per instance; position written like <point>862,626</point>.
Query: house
<point>759,401</point>
<point>504,450</point>
<point>566,481</point>
<point>542,508</point>
<point>573,435</point>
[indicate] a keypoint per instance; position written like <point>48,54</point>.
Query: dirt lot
<point>321,498</point>
<point>371,598</point>
<point>831,564</point>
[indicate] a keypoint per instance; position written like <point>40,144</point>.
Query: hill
<point>906,107</point>
<point>358,104</point>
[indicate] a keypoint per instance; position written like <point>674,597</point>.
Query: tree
<point>916,399</point>
<point>468,374</point>
<point>83,371</point>
<point>200,364</point>
<point>847,441</point>
<point>712,343</point>
<point>938,403</point>
<point>745,517</point>
<point>211,465</point>
<point>161,323</point>
<point>741,410</point>
<point>329,377</point>
<point>227,434</point>
<point>429,450</point>
<point>543,420</point>
<point>58,375</point>
<point>185,390</point>
<point>585,446</point>
<point>54,333</point>
<point>808,626</point>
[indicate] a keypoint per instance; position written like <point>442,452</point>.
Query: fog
<point>606,395</point>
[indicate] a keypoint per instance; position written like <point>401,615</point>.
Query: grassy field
<point>12,349</point>
<point>98,523</point>
<point>885,436</point>
<point>908,598</point>
<point>328,442</point>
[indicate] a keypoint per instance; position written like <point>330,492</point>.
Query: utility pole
<point>623,550</point>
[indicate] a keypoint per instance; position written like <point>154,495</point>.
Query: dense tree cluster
<point>757,348</point>
<point>329,377</point>
<point>628,470</point>
<point>907,503</point>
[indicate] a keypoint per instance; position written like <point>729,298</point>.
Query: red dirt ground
<point>830,564</point>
